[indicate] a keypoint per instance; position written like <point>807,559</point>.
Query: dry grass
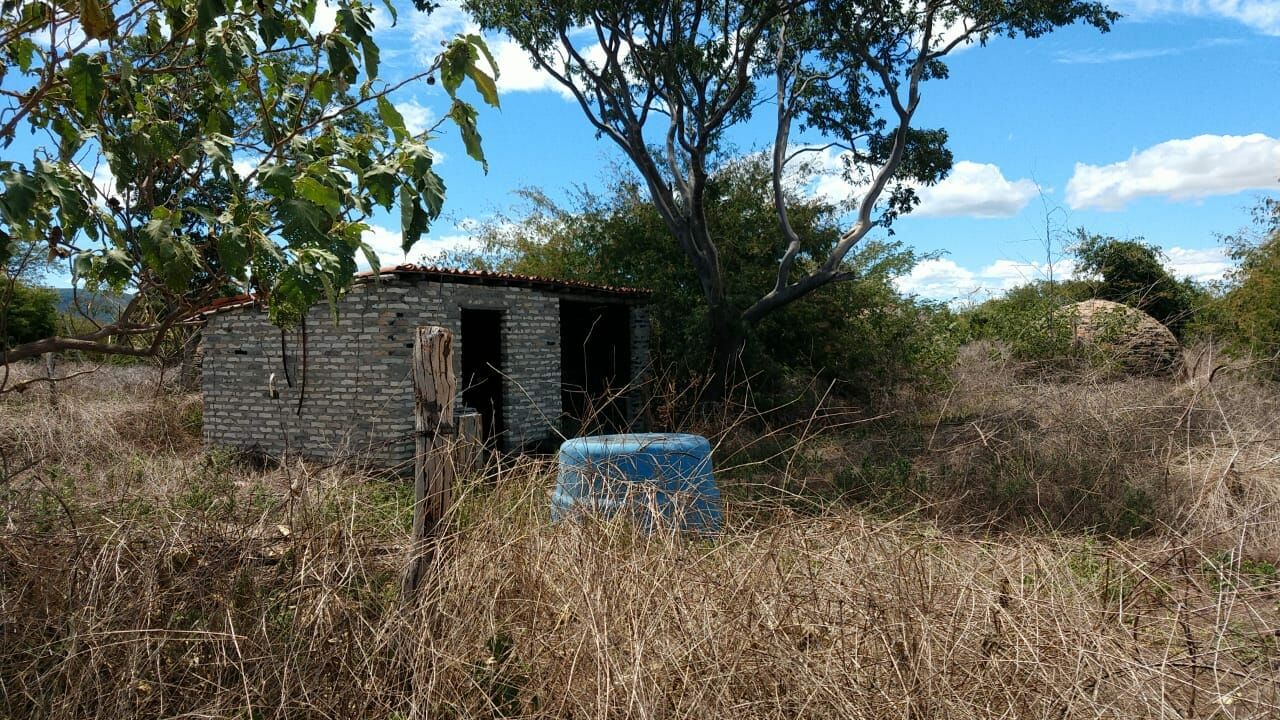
<point>139,578</point>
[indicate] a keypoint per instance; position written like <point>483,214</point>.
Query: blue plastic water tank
<point>655,477</point>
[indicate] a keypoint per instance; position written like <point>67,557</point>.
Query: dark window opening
<point>595,366</point>
<point>482,369</point>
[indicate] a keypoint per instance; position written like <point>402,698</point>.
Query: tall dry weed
<point>154,581</point>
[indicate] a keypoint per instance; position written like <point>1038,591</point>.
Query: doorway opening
<point>595,366</point>
<point>482,369</point>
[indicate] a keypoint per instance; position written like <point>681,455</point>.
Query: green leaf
<point>485,85</point>
<point>323,195</point>
<point>276,180</point>
<point>24,51</point>
<point>392,118</point>
<point>19,198</point>
<point>303,222</point>
<point>87,87</point>
<point>322,91</point>
<point>371,257</point>
<point>70,139</point>
<point>454,63</point>
<point>413,220</point>
<point>208,11</point>
<point>391,10</point>
<point>218,148</point>
<point>464,116</point>
<point>371,57</point>
<point>96,20</point>
<point>270,29</point>
<point>330,295</point>
<point>233,252</point>
<point>433,193</point>
<point>418,158</point>
<point>380,181</point>
<point>479,43</point>
<point>341,65</point>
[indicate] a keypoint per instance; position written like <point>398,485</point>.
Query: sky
<point>1166,128</point>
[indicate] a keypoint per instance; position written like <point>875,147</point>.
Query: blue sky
<point>1166,128</point>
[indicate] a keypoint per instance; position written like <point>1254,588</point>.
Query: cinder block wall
<point>355,393</point>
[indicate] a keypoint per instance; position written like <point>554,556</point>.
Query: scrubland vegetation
<point>1022,545</point>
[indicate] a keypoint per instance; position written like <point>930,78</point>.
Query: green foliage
<point>851,74</point>
<point>1249,312</point>
<point>498,678</point>
<point>1131,273</point>
<point>1029,320</point>
<point>859,330</point>
<point>155,120</point>
<point>27,313</point>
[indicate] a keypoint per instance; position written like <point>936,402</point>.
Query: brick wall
<point>355,389</point>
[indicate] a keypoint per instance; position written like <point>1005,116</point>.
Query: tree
<point>862,331</point>
<point>1132,273</point>
<point>1250,312</point>
<point>667,79</point>
<point>31,313</point>
<point>184,145</point>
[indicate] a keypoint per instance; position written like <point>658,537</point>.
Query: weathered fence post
<point>433,395</point>
<point>470,442</point>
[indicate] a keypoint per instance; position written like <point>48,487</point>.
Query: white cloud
<point>937,278</point>
<point>1261,15</point>
<point>417,117</point>
<point>1188,169</point>
<point>1201,265</point>
<point>326,16</point>
<point>386,243</point>
<point>431,30</point>
<point>945,279</point>
<point>1099,56</point>
<point>1004,274</point>
<point>517,71</point>
<point>977,190</point>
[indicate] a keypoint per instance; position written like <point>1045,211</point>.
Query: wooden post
<point>470,445</point>
<point>433,394</point>
<point>49,364</point>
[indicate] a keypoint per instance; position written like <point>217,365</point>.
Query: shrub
<point>1029,320</point>
<point>1130,272</point>
<point>1249,312</point>
<point>27,313</point>
<point>860,330</point>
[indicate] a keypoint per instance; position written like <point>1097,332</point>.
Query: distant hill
<point>100,306</point>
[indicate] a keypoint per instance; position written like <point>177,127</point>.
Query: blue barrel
<point>656,478</point>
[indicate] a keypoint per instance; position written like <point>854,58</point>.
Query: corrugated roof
<point>476,277</point>
<point>487,277</point>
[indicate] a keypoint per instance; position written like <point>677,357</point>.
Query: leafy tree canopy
<point>667,80</point>
<point>184,145</point>
<point>1131,272</point>
<point>861,331</point>
<point>1250,312</point>
<point>31,313</point>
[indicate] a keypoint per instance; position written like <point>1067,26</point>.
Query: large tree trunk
<point>727,341</point>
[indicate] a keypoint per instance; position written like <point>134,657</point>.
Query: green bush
<point>28,314</point>
<point>1029,320</point>
<point>861,330</point>
<point>1131,272</point>
<point>1248,314</point>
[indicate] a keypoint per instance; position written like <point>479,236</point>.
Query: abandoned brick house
<point>533,356</point>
